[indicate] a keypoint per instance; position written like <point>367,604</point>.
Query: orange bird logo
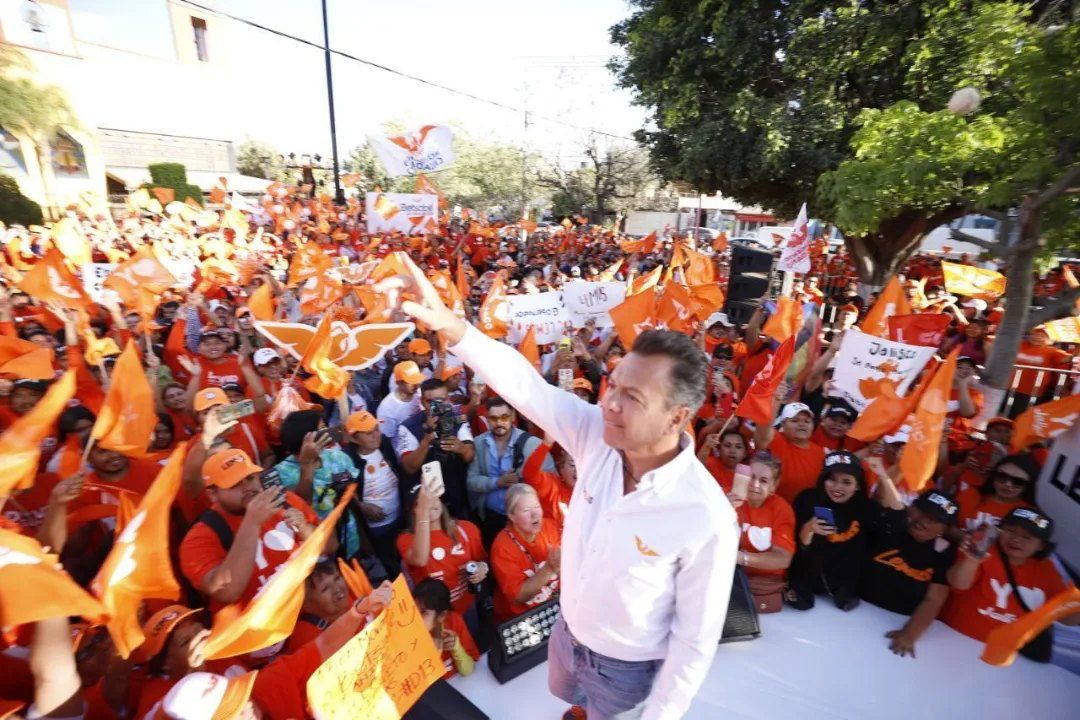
<point>645,549</point>
<point>412,142</point>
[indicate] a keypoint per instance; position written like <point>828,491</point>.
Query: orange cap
<point>581,384</point>
<point>449,371</point>
<point>408,372</point>
<point>208,398</point>
<point>226,468</point>
<point>362,421</point>
<point>419,346</point>
<point>158,628</point>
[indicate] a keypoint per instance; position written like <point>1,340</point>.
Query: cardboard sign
<point>382,671</point>
<point>1058,491</point>
<point>401,212</point>
<point>865,362</point>
<point>93,277</point>
<point>543,311</point>
<point>592,300</point>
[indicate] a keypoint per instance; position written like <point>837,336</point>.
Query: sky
<point>545,57</point>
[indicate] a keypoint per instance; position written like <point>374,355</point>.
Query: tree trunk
<point>881,254</point>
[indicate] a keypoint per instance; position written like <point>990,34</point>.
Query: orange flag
<point>892,301</point>
<point>698,268</point>
<point>645,245</point>
<point>757,404</point>
<point>720,244</point>
<point>261,303</point>
<point>355,579</point>
<point>51,281</point>
<point>138,567</point>
<point>888,411</point>
<point>646,281</point>
<point>529,349</point>
<point>308,261</point>
<point>327,379</point>
<point>919,458</point>
<point>1065,330</point>
<point>495,310</point>
<point>973,282</point>
<point>319,292</point>
<point>461,278</point>
<point>1045,421</point>
<point>786,321</point>
<point>25,359</point>
<point>634,315</point>
<point>706,299</point>
<point>97,349</point>
<point>71,241</point>
<point>164,195</point>
<point>674,310</point>
<point>128,416</point>
<point>20,445</point>
<point>142,270</point>
<point>448,292</point>
<point>271,615</point>
<point>609,274</point>
<point>34,587</point>
<point>1005,640</point>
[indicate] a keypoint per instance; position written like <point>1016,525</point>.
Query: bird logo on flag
<point>412,142</point>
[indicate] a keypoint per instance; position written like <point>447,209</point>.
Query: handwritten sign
<point>383,671</point>
<point>592,300</point>
<point>865,363</point>
<point>544,311</point>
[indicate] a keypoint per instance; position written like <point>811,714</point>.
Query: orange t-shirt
<point>447,560</point>
<point>280,688</point>
<point>224,371</point>
<point>1028,382</point>
<point>201,550</point>
<point>799,467</point>
<point>724,476</point>
<point>977,509</point>
<point>553,493</point>
<point>455,623</point>
<point>512,568</point>
<point>771,525</point>
<point>832,444</point>
<point>990,602</point>
<point>960,433</point>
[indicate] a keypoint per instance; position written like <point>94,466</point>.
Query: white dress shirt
<point>645,575</point>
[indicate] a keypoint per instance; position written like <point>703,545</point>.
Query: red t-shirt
<point>725,477</point>
<point>221,372</point>
<point>446,560</point>
<point>456,623</point>
<point>280,688</point>
<point>1028,382</point>
<point>512,568</point>
<point>762,529</point>
<point>990,602</point>
<point>977,509</point>
<point>832,444</point>
<point>201,550</point>
<point>553,493</point>
<point>799,467</point>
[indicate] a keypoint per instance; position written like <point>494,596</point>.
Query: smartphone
<point>741,482</point>
<point>272,479</point>
<point>236,410</point>
<point>984,538</point>
<point>825,515</point>
<point>566,379</point>
<point>431,478</point>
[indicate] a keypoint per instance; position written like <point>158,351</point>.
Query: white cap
<point>791,410</point>
<point>974,303</point>
<point>575,271</point>
<point>265,355</point>
<point>900,436</point>
<point>718,317</point>
<point>203,696</point>
<point>217,304</point>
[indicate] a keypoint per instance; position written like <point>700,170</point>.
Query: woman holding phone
<point>831,519</point>
<point>767,529</point>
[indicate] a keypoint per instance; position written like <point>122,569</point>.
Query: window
<point>198,29</point>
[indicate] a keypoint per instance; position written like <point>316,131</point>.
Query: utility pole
<point>339,193</point>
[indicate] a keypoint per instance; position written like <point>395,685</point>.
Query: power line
<point>407,76</point>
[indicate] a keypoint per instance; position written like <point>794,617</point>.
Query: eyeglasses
<point>1011,479</point>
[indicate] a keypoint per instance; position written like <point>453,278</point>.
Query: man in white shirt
<point>649,542</point>
<point>403,402</point>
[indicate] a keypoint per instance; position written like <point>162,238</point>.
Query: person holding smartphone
<point>767,526</point>
<point>831,518</point>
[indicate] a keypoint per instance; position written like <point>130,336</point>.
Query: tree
<point>1016,158</point>
<point>259,159</point>
<point>362,160</point>
<point>609,180</point>
<point>16,208</point>
<point>759,99</point>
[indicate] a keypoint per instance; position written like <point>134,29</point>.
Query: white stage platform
<point>824,663</point>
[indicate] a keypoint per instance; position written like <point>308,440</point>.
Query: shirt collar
<point>662,479</point>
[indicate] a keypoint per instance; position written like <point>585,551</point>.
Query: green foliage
<point>259,160</point>
<point>25,105</point>
<point>16,208</point>
<point>362,159</point>
<point>612,179</point>
<point>173,175</point>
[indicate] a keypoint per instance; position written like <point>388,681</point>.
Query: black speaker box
<point>442,702</point>
<point>741,622</point>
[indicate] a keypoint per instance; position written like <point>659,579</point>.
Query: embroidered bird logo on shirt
<point>645,549</point>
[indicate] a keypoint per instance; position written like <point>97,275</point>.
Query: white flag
<point>796,254</point>
<point>427,149</point>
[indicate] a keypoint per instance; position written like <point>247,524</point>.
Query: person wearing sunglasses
<point>1010,484</point>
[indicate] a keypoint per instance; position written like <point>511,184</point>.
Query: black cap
<point>1031,519</point>
<point>38,385</point>
<point>843,461</point>
<point>937,505</point>
<point>841,408</point>
<point>232,387</point>
<point>210,332</point>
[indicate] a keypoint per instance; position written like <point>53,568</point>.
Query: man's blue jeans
<point>609,689</point>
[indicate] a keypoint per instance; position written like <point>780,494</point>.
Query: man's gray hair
<point>689,366</point>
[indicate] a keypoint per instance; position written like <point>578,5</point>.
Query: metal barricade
<point>1051,384</point>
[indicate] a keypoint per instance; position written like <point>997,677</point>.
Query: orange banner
<point>128,416</point>
<point>634,315</point>
<point>786,321</point>
<point>1045,421</point>
<point>1005,641</point>
<point>383,670</point>
<point>974,282</point>
<point>919,458</point>
<point>892,301</point>
<point>1065,330</point>
<point>20,445</point>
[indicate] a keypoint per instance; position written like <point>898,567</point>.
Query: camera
<point>470,568</point>
<point>445,416</point>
